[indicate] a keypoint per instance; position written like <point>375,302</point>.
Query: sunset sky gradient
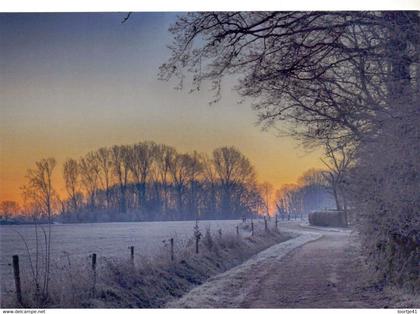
<point>73,82</point>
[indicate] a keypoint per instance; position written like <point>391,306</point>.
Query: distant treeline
<point>148,181</point>
<point>313,192</point>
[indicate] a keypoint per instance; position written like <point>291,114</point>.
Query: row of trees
<point>146,181</point>
<point>348,81</point>
<point>313,191</point>
<point>204,197</point>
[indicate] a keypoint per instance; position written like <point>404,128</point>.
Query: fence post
<point>16,272</point>
<point>132,254</point>
<point>94,262</point>
<point>252,227</point>
<point>220,233</point>
<point>265,224</point>
<point>237,230</point>
<point>172,250</point>
<point>94,273</point>
<point>197,235</point>
<point>196,244</point>
<point>277,221</point>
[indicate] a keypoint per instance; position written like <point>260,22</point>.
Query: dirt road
<point>326,272</point>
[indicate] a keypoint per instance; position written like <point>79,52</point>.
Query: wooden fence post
<point>172,250</point>
<point>132,254</point>
<point>197,235</point>
<point>252,227</point>
<point>94,273</point>
<point>220,233</point>
<point>16,272</point>
<point>265,224</point>
<point>277,221</point>
<point>94,262</point>
<point>237,230</point>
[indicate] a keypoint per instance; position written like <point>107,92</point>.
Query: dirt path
<point>325,273</point>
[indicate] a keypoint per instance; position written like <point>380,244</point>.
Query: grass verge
<point>148,282</point>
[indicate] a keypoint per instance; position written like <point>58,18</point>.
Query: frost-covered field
<point>105,239</point>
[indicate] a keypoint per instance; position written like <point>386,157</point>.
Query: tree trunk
<point>335,193</point>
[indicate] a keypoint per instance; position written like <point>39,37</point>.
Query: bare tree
<point>39,191</point>
<point>194,164</point>
<point>347,78</point>
<point>267,193</point>
<point>316,190</point>
<point>71,180</point>
<point>281,57</point>
<point>289,199</point>
<point>8,209</point>
<point>164,156</point>
<point>140,159</point>
<point>89,174</point>
<point>325,72</point>
<point>39,187</point>
<point>312,177</point>
<point>178,168</point>
<point>233,169</point>
<point>120,162</point>
<point>210,181</point>
<point>338,164</point>
<point>103,156</point>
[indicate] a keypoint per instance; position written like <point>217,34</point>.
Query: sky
<point>73,82</point>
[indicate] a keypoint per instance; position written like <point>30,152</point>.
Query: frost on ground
<point>105,239</point>
<point>227,289</point>
<point>323,269</point>
<point>145,282</point>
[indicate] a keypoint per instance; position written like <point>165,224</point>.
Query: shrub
<point>327,218</point>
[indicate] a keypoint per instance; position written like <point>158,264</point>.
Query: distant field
<point>105,239</point>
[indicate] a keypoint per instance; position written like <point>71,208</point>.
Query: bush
<point>327,218</point>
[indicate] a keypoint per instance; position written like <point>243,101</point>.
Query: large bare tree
<point>39,188</point>
<point>233,169</point>
<point>328,73</point>
<point>350,79</point>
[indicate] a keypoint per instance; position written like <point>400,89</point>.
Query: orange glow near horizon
<point>273,164</point>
